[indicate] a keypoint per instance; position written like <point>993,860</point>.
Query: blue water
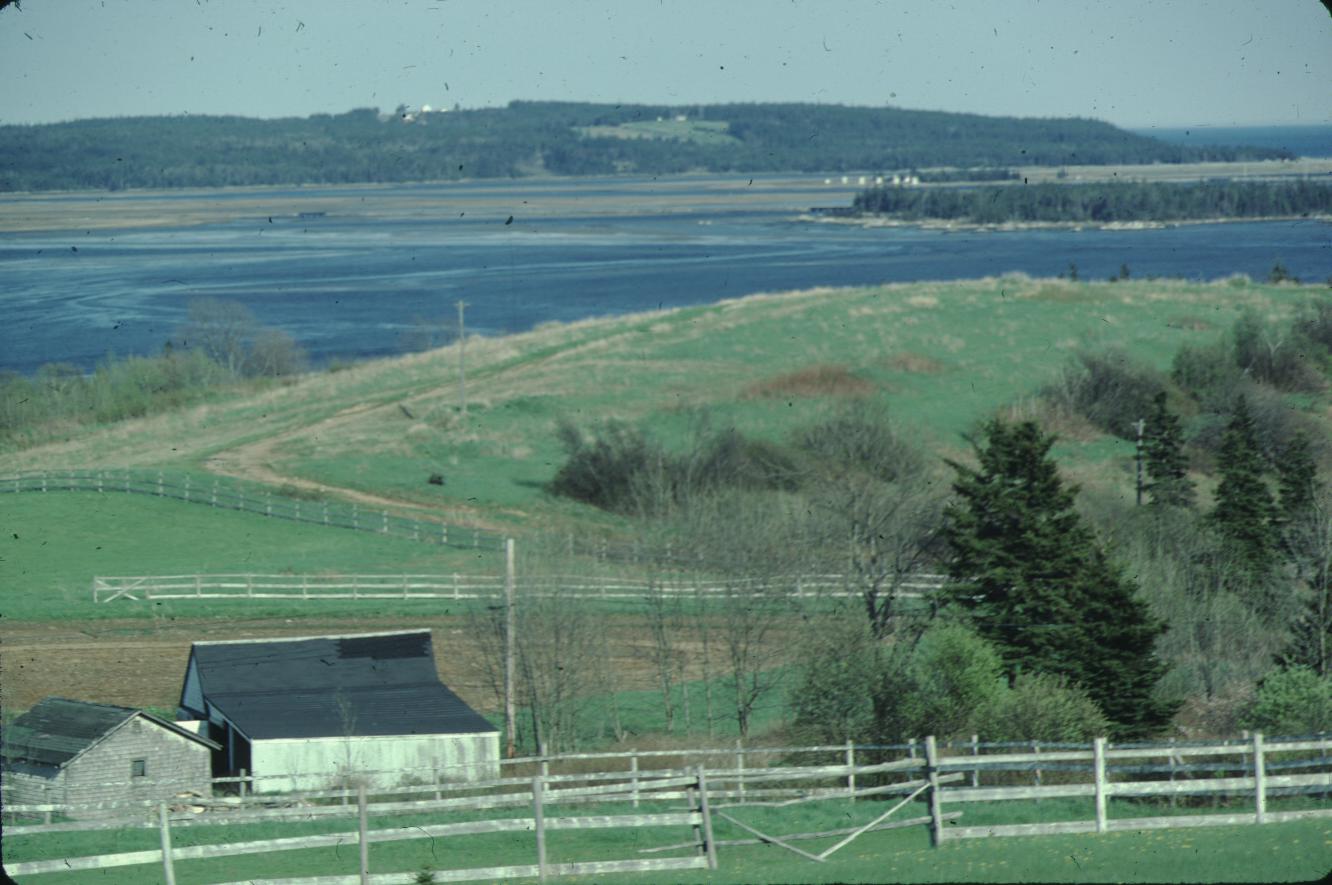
<point>1302,141</point>
<point>354,287</point>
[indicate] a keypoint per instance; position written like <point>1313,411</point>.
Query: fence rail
<point>761,773</point>
<point>934,773</point>
<point>697,817</point>
<point>233,496</point>
<point>474,586</point>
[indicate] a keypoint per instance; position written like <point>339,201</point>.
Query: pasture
<point>1292,851</point>
<point>941,355</point>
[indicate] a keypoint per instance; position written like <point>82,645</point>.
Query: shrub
<point>730,459</point>
<point>952,678</point>
<point>1041,707</point>
<point>1293,701</point>
<point>1208,373</point>
<point>1108,389</point>
<point>610,468</point>
<point>1272,355</point>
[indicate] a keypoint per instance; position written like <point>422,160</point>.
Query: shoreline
<point>869,222</point>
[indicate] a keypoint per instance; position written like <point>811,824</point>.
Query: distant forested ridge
<point>556,138</point>
<point>1100,203</point>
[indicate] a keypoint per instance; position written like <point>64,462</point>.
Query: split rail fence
<point>1252,770</point>
<point>475,586</point>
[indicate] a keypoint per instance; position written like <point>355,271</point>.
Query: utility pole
<point>508,646</point>
<point>462,364</point>
<point>1138,457</point>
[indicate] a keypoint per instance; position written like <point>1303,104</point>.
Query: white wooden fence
<point>538,796</point>
<point>475,586</point>
<point>1251,769</point>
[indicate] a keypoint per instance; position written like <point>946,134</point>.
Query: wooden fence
<point>213,492</point>
<point>1251,768</point>
<point>697,816</point>
<point>475,586</point>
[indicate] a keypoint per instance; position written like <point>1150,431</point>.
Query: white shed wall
<point>383,761</point>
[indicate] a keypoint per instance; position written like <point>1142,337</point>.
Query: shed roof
<point>328,686</point>
<point>56,730</point>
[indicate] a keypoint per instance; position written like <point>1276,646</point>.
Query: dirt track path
<point>254,462</point>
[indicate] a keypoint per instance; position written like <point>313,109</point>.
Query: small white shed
<point>313,712</point>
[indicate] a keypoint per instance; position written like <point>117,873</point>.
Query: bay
<point>349,285</point>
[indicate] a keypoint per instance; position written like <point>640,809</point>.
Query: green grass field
<point>58,541</point>
<point>1298,851</point>
<point>941,355</point>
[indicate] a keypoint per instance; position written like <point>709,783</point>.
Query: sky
<point>1135,63</point>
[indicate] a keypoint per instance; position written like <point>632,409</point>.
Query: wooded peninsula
<point>1099,203</point>
<point>556,138</point>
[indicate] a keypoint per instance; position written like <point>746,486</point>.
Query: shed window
<point>139,768</point>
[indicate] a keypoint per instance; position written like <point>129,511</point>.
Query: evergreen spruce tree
<point>1244,512</point>
<point>1037,585</point>
<point>1297,480</point>
<point>1168,481</point>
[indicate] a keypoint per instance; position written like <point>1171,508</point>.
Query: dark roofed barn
<point>305,713</point>
<point>99,759</point>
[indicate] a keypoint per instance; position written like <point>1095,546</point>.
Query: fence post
<point>1173,798</point>
<point>168,865</point>
<point>127,482</point>
<point>243,781</point>
<point>213,501</point>
<point>268,505</point>
<point>187,487</point>
<point>44,480</point>
<point>975,751</point>
<point>633,776</point>
<point>1259,780</point>
<point>706,810</point>
<point>443,535</point>
<point>99,482</point>
<point>434,773</point>
<point>159,484</point>
<point>740,766</point>
<point>325,512</point>
<point>385,515</point>
<point>1098,768</point>
<point>545,761</point>
<point>363,835</point>
<point>356,520</point>
<point>851,764</point>
<point>198,586</point>
<point>249,586</point>
<point>305,586</point>
<point>1036,750</point>
<point>539,819</point>
<point>936,801</point>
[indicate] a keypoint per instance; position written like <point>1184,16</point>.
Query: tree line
<point>546,137</point>
<point>1100,203</point>
<point>1203,596</point>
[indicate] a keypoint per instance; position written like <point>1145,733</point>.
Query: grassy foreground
<point>1298,851</point>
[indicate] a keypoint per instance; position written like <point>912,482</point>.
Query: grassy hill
<point>941,355</point>
<point>556,138</point>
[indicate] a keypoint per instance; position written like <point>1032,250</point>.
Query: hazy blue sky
<point>1132,62</point>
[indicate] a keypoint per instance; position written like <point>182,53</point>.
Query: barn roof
<point>56,730</point>
<point>327,686</point>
